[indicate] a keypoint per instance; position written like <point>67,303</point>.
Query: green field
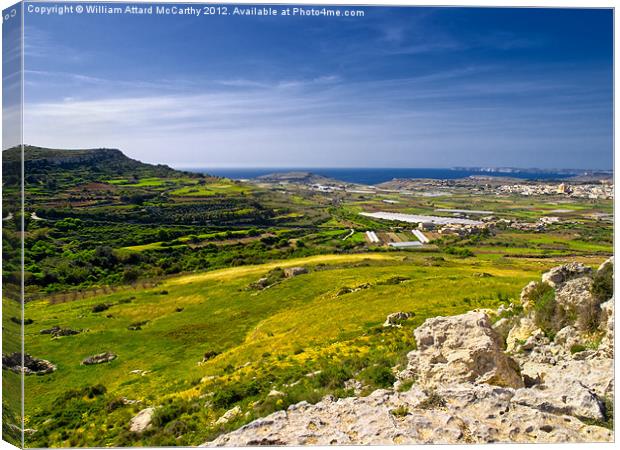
<point>266,338</point>
<point>182,277</point>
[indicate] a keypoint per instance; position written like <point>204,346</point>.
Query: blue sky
<point>400,87</point>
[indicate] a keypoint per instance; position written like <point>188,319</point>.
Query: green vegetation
<point>182,276</point>
<point>549,316</point>
<point>432,401</point>
<point>603,283</point>
<point>284,338</point>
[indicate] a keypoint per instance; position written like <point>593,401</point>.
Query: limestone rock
<point>607,326</point>
<point>142,421</point>
<point>467,390</point>
<point>354,385</point>
<point>32,365</point>
<point>558,275</point>
<point>471,414</point>
<point>607,263</point>
<point>567,338</point>
<point>294,271</point>
<point>229,415</point>
<point>458,349</point>
<point>394,319</point>
<point>571,398</point>
<point>502,327</point>
<point>99,358</point>
<point>524,328</point>
<point>526,294</point>
<point>575,293</point>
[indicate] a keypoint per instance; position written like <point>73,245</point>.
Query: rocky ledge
<point>537,371</point>
<point>32,365</point>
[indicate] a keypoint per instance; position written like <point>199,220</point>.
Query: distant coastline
<point>372,176</point>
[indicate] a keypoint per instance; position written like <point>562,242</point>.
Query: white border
<point>490,3</point>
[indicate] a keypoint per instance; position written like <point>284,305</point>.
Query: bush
<point>333,377</point>
<point>379,375</point>
<point>233,393</point>
<point>432,401</point>
<point>400,411</point>
<point>549,316</point>
<point>101,307</point>
<point>589,316</point>
<point>603,283</point>
<point>459,251</point>
<point>576,348</point>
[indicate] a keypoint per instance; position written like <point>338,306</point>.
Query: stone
<point>275,393</point>
<point>536,339</point>
<point>570,398</point>
<point>561,274</point>
<point>142,421</point>
<point>472,414</point>
<point>575,293</point>
<point>526,294</point>
<point>229,415</point>
<point>32,365</point>
<point>294,271</point>
<point>354,385</point>
<point>54,329</point>
<point>458,349</point>
<point>395,319</point>
<point>606,348</point>
<point>502,327</point>
<point>566,338</point>
<point>524,328</point>
<point>99,358</point>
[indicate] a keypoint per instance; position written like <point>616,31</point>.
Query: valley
<point>213,295</point>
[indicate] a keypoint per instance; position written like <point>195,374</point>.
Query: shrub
<point>101,307</point>
<point>393,280</point>
<point>432,401</point>
<point>88,391</point>
<point>576,348</point>
<point>603,283</point>
<point>589,316</point>
<point>333,377</point>
<point>209,355</point>
<point>379,375</point>
<point>165,414</point>
<point>549,316</point>
<point>405,385</point>
<point>114,404</point>
<point>400,411</point>
<point>233,393</point>
<point>459,251</point>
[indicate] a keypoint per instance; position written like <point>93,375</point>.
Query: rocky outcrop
<point>32,365</point>
<point>142,421</point>
<point>57,331</point>
<point>99,358</point>
<point>471,414</point>
<point>395,319</point>
<point>460,349</point>
<point>294,271</point>
<point>561,274</point>
<point>475,382</point>
<point>229,415</point>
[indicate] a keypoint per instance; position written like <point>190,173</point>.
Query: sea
<point>370,176</point>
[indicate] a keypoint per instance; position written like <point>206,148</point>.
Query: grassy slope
<point>220,314</point>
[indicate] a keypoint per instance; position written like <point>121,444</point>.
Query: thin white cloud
<point>418,121</point>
